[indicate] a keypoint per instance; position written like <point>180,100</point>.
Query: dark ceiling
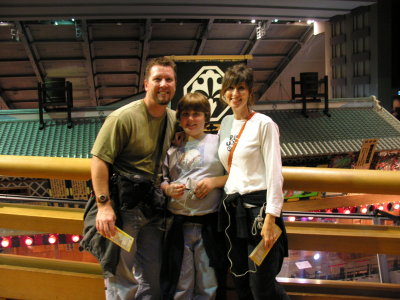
<point>102,46</point>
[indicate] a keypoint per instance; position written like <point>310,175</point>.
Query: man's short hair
<point>194,101</point>
<point>160,61</point>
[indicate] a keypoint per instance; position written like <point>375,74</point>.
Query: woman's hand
<point>267,232</point>
<point>174,190</point>
<point>105,220</point>
<point>203,187</point>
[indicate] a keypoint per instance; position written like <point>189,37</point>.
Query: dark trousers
<point>262,284</point>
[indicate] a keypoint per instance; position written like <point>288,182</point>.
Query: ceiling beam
<point>253,42</point>
<point>145,41</point>
<point>5,103</point>
<point>87,52</point>
<point>26,38</point>
<point>285,61</point>
<point>190,9</point>
<point>204,37</point>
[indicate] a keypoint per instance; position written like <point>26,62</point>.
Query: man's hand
<point>105,219</point>
<point>267,231</point>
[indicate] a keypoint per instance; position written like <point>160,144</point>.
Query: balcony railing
<point>35,278</point>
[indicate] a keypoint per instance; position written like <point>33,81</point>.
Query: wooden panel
<point>340,201</point>
<point>346,289</point>
<point>39,278</point>
<point>352,238</point>
<point>41,218</point>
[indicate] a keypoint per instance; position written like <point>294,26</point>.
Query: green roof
<point>317,135</point>
<point>23,137</point>
<point>343,132</point>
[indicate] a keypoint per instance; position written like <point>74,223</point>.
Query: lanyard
<point>237,140</point>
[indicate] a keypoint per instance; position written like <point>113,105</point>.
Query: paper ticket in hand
<point>122,239</point>
<point>260,252</point>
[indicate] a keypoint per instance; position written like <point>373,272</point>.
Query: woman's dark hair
<point>234,76</point>
<point>194,101</point>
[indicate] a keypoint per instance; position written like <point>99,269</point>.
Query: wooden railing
<point>33,278</point>
<point>295,178</point>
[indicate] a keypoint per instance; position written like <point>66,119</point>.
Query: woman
<point>193,176</point>
<point>254,189</point>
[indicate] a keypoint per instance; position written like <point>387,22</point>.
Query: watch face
<point>103,198</point>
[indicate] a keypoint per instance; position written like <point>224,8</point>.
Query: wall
<point>311,58</point>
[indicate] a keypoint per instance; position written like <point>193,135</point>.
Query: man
<point>396,107</point>
<point>128,141</point>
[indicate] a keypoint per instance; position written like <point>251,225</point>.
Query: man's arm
<point>105,219</point>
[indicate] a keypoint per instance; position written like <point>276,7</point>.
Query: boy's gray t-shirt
<point>188,164</point>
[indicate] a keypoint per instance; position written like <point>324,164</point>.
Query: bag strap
<point>230,157</point>
<point>161,141</point>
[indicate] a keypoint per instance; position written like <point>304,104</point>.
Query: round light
<point>328,211</point>
<point>347,211</point>
<point>317,256</point>
<point>311,218</point>
<point>52,239</point>
<point>253,21</point>
<point>364,210</point>
<point>75,238</point>
<point>292,219</point>
<point>28,241</point>
<point>396,206</point>
<point>5,243</point>
<point>380,207</point>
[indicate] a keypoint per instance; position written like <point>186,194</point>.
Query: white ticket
<point>122,239</point>
<point>260,252</point>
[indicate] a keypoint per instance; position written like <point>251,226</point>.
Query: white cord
<point>230,245</point>
<point>258,221</point>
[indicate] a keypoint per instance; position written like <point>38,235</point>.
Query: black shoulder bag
<point>135,190</point>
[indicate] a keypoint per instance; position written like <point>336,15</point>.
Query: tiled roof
<point>343,132</point>
<point>23,137</point>
<point>317,135</point>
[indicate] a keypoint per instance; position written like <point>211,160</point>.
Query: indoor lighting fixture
<point>260,30</point>
<point>29,241</point>
<point>6,242</point>
<point>52,239</point>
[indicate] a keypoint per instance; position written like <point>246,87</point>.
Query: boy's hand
<point>175,190</point>
<point>203,187</point>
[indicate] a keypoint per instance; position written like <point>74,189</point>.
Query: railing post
<point>383,268</point>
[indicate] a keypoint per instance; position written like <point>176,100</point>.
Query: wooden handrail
<point>42,278</point>
<point>348,289</point>
<point>302,235</point>
<point>295,178</point>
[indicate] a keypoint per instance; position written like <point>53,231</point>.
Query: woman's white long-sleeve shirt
<point>256,163</point>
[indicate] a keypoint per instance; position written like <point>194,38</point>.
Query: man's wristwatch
<point>102,198</point>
